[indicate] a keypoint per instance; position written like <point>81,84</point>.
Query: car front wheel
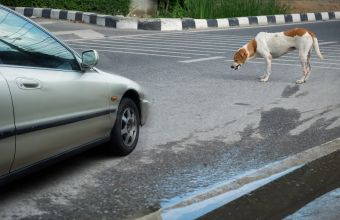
<point>125,133</point>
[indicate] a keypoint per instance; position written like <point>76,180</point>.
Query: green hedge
<point>233,8</point>
<point>112,7</point>
<point>222,8</point>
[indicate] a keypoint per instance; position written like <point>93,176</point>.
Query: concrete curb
<point>172,24</point>
<point>233,192</point>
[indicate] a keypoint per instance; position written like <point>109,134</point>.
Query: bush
<point>113,7</point>
<point>223,8</point>
<point>232,8</point>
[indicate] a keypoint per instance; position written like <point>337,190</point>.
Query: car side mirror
<point>89,59</point>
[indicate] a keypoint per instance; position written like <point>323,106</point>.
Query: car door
<point>57,107</point>
<point>7,137</point>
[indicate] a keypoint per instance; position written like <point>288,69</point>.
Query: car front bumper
<point>145,108</point>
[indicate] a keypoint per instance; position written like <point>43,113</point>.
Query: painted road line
<point>173,45</point>
<point>209,40</point>
<point>85,34</point>
<point>201,59</point>
<point>190,46</point>
<point>144,47</point>
<point>190,41</point>
<point>313,60</point>
<point>127,36</point>
<point>46,22</point>
<point>289,64</point>
<point>211,50</point>
<point>298,61</point>
<point>194,37</point>
<point>332,52</point>
<point>330,49</point>
<point>212,42</point>
<point>285,64</point>
<point>203,38</point>
<point>145,35</point>
<point>138,53</point>
<point>326,43</point>
<point>147,50</point>
<point>179,44</point>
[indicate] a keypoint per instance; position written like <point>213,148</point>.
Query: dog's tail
<point>316,48</point>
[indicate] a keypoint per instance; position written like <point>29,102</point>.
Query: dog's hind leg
<point>266,76</point>
<point>304,63</point>
<point>309,67</point>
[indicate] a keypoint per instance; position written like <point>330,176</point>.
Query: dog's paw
<point>300,81</point>
<point>264,78</point>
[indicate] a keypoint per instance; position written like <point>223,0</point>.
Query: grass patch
<point>224,8</point>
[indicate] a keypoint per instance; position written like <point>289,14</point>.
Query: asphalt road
<point>207,124</point>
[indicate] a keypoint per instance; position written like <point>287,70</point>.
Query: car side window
<point>24,44</point>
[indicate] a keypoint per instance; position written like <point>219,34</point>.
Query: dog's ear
<point>243,54</point>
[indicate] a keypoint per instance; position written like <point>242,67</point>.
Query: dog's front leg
<point>268,60</point>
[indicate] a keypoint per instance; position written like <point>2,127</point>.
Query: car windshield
<point>22,43</point>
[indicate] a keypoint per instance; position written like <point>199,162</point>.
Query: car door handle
<point>25,83</point>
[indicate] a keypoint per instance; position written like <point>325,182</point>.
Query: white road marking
<point>171,41</point>
<point>148,54</point>
<point>290,64</point>
<point>172,48</point>
<point>146,50</point>
<point>314,60</point>
<point>84,34</point>
<point>203,37</point>
<point>200,60</point>
<point>46,22</point>
<point>190,40</point>
<point>328,42</point>
<point>199,46</point>
<point>187,47</point>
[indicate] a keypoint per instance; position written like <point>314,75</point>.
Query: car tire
<point>125,133</point>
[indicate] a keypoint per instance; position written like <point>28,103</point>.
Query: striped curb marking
<point>172,24</point>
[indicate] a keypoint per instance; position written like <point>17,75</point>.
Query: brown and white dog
<point>273,45</point>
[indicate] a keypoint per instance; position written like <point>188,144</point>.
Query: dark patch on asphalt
<point>132,189</point>
<point>278,122</point>
<point>240,103</point>
<point>289,91</point>
<point>302,94</point>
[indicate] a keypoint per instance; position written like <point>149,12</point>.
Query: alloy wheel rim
<point>129,127</point>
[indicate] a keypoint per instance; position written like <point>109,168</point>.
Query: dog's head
<point>240,58</point>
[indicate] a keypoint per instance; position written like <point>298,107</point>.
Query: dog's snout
<point>235,67</point>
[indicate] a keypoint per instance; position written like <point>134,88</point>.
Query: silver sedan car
<point>53,101</point>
